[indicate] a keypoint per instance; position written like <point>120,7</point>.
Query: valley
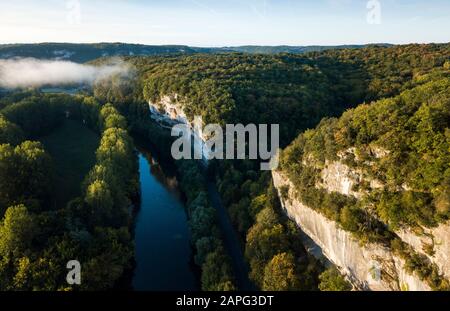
<point>364,174</point>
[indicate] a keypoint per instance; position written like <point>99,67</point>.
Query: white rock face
<point>338,177</point>
<point>438,238</point>
<point>168,111</point>
<point>369,267</point>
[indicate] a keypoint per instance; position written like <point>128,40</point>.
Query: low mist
<point>31,72</point>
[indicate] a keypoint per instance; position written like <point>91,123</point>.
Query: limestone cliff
<point>372,188</point>
<point>369,267</point>
<point>168,111</point>
<point>431,242</point>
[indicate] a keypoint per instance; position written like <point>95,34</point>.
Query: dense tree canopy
<point>242,88</point>
<point>37,239</point>
<point>413,129</point>
<point>403,144</point>
<point>25,174</point>
<point>332,280</point>
<point>409,120</point>
<point>9,132</point>
<point>17,231</point>
<point>358,76</point>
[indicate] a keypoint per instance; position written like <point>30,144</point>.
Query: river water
<point>163,251</point>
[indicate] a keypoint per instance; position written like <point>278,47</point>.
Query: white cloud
<point>30,72</point>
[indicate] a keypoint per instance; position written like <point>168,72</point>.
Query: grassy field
<point>72,147</point>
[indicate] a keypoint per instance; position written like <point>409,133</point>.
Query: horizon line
<point>220,46</point>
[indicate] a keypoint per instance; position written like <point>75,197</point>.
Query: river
<point>162,238</point>
<point>163,253</point>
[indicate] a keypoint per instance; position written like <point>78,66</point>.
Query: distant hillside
<point>254,49</point>
<point>86,52</point>
<point>264,89</point>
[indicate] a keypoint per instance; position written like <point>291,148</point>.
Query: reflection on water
<point>170,182</point>
<point>163,252</point>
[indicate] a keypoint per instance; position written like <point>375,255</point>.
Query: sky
<point>225,22</point>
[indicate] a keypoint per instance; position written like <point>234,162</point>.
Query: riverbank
<point>209,240</point>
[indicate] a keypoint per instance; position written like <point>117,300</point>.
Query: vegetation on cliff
<point>403,143</point>
<point>409,120</point>
<point>412,132</point>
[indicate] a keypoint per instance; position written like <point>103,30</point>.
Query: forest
<point>307,88</point>
<point>38,236</point>
<point>412,129</point>
<point>87,52</point>
<point>325,102</point>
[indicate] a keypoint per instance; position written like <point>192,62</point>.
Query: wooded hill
<point>295,91</point>
<point>86,52</point>
<point>410,118</point>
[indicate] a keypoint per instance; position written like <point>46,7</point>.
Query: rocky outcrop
<point>340,178</point>
<point>168,111</point>
<point>434,243</point>
<point>369,267</point>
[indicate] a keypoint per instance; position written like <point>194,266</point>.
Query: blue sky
<point>225,22</point>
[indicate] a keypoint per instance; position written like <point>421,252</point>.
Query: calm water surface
<point>163,252</point>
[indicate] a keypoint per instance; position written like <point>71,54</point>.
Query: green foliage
<point>420,265</point>
<point>265,89</point>
<point>25,174</point>
<point>216,272</point>
<point>392,69</point>
<point>244,89</point>
<point>263,243</point>
<point>82,53</point>
<point>9,132</point>
<point>99,198</point>
<point>201,221</point>
<point>233,88</point>
<point>38,115</point>
<point>403,143</point>
<point>280,274</point>
<point>412,128</point>
<point>120,89</point>
<point>37,242</point>
<point>17,231</point>
<point>205,246</point>
<point>109,256</point>
<point>332,280</point>
<point>255,210</point>
<point>240,88</point>
<point>110,117</point>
